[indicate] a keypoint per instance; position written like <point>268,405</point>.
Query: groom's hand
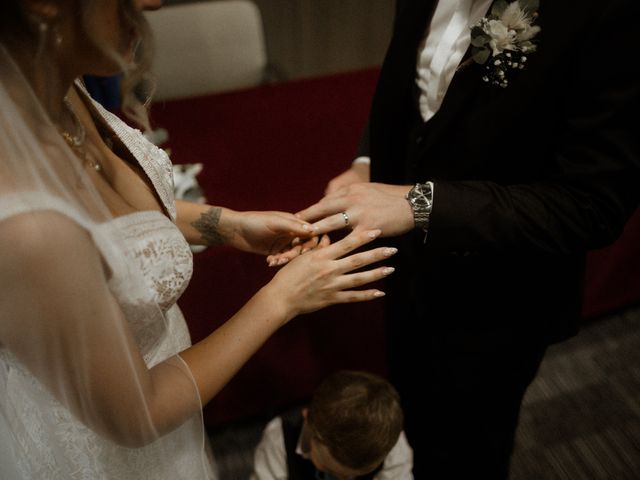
<point>366,206</point>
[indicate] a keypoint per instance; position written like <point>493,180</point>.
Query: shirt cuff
<point>362,160</point>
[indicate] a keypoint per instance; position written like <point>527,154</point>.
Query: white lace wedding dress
<point>49,442</point>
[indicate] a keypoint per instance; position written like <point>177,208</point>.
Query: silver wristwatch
<point>420,197</point>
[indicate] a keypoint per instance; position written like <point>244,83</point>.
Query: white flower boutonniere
<point>502,40</point>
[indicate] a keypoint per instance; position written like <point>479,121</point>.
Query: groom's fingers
<point>333,222</point>
<point>325,207</point>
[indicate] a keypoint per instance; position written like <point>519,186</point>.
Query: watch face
<point>417,196</point>
<point>420,204</point>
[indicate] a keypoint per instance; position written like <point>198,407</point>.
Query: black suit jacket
<point>527,178</point>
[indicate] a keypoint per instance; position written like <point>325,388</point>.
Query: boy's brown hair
<point>357,416</point>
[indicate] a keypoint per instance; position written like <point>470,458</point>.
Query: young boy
<point>352,429</point>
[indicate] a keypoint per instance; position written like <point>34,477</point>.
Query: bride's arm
<point>60,320</point>
<point>256,232</point>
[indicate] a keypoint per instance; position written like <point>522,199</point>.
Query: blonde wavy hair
<point>17,26</point>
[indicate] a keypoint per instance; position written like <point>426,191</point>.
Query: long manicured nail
<point>374,233</point>
<point>388,270</point>
<point>379,293</point>
<point>390,251</point>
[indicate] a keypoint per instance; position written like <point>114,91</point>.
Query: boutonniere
<point>502,40</point>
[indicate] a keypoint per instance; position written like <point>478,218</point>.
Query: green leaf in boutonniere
<point>481,56</point>
<point>502,40</point>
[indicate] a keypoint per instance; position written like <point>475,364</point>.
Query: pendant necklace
<point>76,142</point>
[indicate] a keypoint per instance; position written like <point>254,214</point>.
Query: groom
<point>495,185</point>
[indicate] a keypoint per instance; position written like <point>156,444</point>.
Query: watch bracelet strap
<point>421,216</point>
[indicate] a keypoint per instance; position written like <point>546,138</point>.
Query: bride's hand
<point>296,248</point>
<point>267,233</point>
<point>324,277</point>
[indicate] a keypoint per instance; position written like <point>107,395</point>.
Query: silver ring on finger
<point>345,216</point>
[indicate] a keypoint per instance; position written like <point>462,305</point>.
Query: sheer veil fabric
<point>91,382</point>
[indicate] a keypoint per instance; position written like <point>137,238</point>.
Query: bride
<point>98,377</point>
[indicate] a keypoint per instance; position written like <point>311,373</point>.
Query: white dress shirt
<point>444,45</point>
<point>446,40</point>
<point>270,459</point>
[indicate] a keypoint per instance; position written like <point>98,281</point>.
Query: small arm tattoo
<point>207,225</point>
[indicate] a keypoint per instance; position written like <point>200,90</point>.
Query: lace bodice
<point>162,255</point>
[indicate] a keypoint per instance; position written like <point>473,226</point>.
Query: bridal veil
<point>80,395</point>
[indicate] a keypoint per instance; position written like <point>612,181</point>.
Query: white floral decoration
<point>502,40</point>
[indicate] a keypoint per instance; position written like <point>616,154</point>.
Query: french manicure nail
<point>378,293</point>
<point>388,270</point>
<point>390,251</point>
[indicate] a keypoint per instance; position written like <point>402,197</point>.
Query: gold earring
<point>57,37</point>
<point>45,29</point>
